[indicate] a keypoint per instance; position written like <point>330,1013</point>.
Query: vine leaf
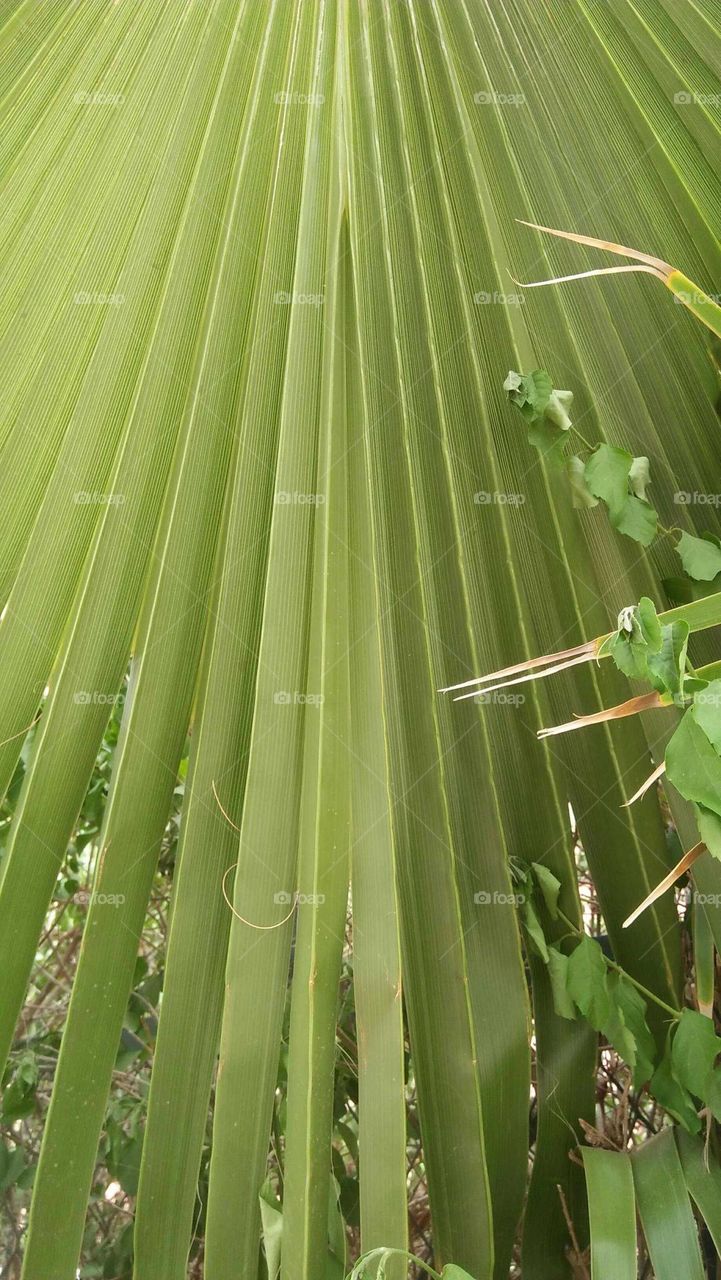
<point>694,1052</point>
<point>581,495</point>
<point>616,1029</point>
<point>694,767</point>
<point>617,478</point>
<point>558,975</point>
<point>608,1001</point>
<point>633,1008</point>
<point>544,408</point>
<point>667,667</point>
<point>673,1097</point>
<point>700,557</point>
<point>707,712</point>
<point>550,887</point>
<point>530,392</point>
<point>557,409</point>
<point>534,928</point>
<point>638,521</point>
<point>639,635</point>
<point>639,477</point>
<point>607,472</point>
<point>709,825</point>
<point>587,984</point>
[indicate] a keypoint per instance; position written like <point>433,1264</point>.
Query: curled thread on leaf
<point>21,733</point>
<point>228,819</point>
<point>645,786</point>
<point>251,925</point>
<point>687,861</point>
<point>263,927</point>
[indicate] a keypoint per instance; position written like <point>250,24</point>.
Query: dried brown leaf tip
<point>532,669</point>
<point>642,261</point>
<point>645,702</point>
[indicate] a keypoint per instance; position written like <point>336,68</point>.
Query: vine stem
<point>580,933</point>
<point>586,443</point>
<point>384,1252</point>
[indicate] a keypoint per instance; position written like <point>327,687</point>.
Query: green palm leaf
<point>282,409</point>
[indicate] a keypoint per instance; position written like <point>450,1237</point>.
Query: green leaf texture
<point>254,321</point>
